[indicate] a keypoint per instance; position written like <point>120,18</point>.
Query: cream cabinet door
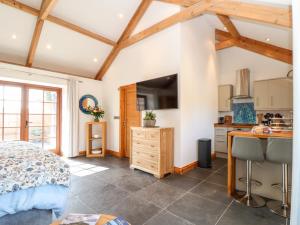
<point>281,94</point>
<point>261,95</point>
<point>224,96</point>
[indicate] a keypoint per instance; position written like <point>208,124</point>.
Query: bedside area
<point>152,150</point>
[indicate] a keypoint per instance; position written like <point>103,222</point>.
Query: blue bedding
<point>52,197</point>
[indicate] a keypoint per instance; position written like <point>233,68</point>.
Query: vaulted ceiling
<point>78,35</point>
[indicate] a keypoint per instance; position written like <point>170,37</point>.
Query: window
<point>30,113</point>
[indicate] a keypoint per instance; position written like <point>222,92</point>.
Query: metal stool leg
<point>282,208</point>
<point>249,199</point>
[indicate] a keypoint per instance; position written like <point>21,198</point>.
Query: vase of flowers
<point>149,119</point>
<point>96,112</point>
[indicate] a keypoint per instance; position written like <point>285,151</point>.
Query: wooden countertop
<point>234,125</point>
<point>279,134</point>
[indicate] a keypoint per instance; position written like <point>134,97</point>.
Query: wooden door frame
<point>122,132</point>
<point>24,113</point>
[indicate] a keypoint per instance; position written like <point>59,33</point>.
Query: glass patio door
<point>42,118</point>
<point>30,113</point>
<point>10,112</point>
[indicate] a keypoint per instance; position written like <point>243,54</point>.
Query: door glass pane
<point>35,120</point>
<point>12,106</point>
<point>38,142</point>
<point>12,93</point>
<point>1,106</point>
<point>1,121</point>
<point>49,120</point>
<point>35,108</point>
<point>50,143</point>
<point>1,92</point>
<point>35,132</point>
<point>12,120</point>
<point>50,108</point>
<point>50,132</point>
<point>11,134</point>
<point>35,95</point>
<point>50,96</point>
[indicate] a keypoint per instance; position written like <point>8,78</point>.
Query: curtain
<point>73,118</point>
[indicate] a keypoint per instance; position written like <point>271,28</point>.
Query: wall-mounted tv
<point>159,93</point>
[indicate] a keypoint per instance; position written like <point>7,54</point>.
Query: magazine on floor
<point>81,219</point>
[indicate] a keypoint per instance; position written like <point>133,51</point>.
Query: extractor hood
<point>242,85</point>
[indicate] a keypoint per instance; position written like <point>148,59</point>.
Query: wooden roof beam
<point>229,26</point>
<point>125,35</point>
<point>262,48</point>
<point>58,21</point>
<point>47,5</point>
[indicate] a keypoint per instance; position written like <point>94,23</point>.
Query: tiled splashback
<point>244,113</point>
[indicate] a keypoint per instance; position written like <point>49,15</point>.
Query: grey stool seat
<point>249,149</point>
<point>280,151</point>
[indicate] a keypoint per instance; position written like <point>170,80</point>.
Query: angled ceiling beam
<point>281,16</point>
<point>185,14</point>
<point>125,35</point>
<point>271,51</point>
<point>184,3</point>
<point>225,44</point>
<point>229,26</point>
<point>47,5</point>
<point>258,12</point>
<point>58,21</point>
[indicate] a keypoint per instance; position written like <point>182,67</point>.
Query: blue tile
<point>244,113</point>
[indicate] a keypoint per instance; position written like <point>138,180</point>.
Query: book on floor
<point>81,219</point>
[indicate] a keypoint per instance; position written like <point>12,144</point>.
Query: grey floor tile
<point>218,163</point>
<point>167,218</point>
<point>199,173</point>
<point>111,176</point>
<point>197,210</point>
<point>181,181</point>
<point>136,211</point>
<point>160,194</point>
<point>85,184</point>
<point>102,199</point>
<point>75,205</point>
<point>135,181</point>
<point>220,177</point>
<point>239,214</point>
<point>212,191</point>
<point>32,217</point>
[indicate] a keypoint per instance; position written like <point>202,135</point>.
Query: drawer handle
<point>152,166</point>
<point>152,146</point>
<point>138,143</point>
<point>152,156</point>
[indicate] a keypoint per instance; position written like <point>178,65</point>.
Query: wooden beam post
<point>125,35</point>
<point>47,5</point>
<point>229,26</point>
<point>271,51</point>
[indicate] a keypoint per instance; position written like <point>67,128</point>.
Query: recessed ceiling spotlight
<point>48,46</point>
<point>14,36</point>
<point>120,15</point>
<point>268,39</point>
<point>95,60</point>
<point>225,28</point>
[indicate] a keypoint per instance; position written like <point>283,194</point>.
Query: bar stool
<point>280,151</point>
<point>249,149</point>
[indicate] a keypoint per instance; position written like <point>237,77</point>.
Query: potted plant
<point>96,112</point>
<point>150,119</point>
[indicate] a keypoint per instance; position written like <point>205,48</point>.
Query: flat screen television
<point>159,93</point>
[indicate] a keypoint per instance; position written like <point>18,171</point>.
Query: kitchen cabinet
<point>224,98</point>
<point>275,94</point>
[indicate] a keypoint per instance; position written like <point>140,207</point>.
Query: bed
<point>32,178</point>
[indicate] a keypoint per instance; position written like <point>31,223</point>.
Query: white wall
<point>187,49</point>
<point>156,56</point>
<point>261,67</point>
<point>198,86</point>
<point>42,77</point>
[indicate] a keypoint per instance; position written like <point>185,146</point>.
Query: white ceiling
<point>74,53</point>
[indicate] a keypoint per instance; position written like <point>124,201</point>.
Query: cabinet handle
<point>152,146</point>
<point>152,156</point>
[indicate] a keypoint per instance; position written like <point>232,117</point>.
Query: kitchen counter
<point>235,125</point>
<point>231,184</point>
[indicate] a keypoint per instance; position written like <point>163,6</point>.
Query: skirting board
<point>108,152</point>
<point>191,166</point>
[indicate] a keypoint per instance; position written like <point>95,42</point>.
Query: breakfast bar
<point>231,182</point>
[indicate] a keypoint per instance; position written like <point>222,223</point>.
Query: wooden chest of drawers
<point>152,150</point>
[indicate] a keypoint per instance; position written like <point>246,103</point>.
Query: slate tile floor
<point>198,197</point>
